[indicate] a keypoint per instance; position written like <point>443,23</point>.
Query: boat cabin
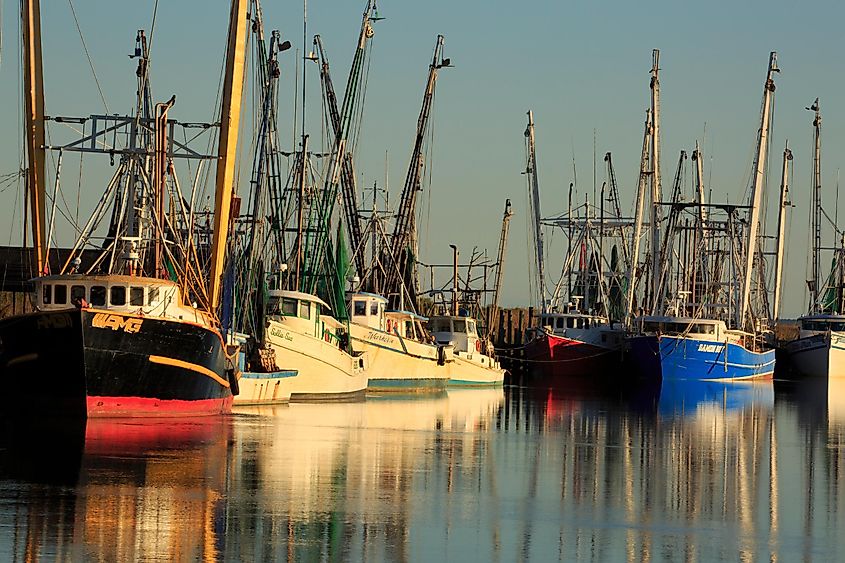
<point>303,312</point>
<point>815,324</point>
<point>367,309</point>
<point>460,332</point>
<point>701,329</point>
<point>406,324</point>
<point>558,323</point>
<point>150,297</point>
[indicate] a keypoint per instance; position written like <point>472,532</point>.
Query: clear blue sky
<point>581,66</point>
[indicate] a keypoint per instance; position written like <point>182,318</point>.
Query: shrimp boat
<point>474,363</point>
<point>579,336</point>
<point>574,344</point>
<point>124,335</point>
<point>819,350</point>
<point>712,329</point>
<point>286,272</point>
<point>402,355</point>
<point>699,349</point>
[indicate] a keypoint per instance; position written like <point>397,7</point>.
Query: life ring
<point>389,325</point>
<point>478,346</point>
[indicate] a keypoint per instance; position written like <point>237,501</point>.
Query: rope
<point>88,55</point>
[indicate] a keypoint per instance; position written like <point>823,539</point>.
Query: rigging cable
<point>88,55</point>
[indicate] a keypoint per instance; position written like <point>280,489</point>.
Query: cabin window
<point>360,308</point>
<point>136,296</point>
<point>471,327</point>
<point>833,326</point>
<point>60,295</point>
<point>288,307</point>
<point>77,293</point>
<point>651,326</point>
<point>570,322</point>
<point>47,295</point>
<point>439,325</point>
<point>704,329</point>
<point>118,295</point>
<point>374,309</point>
<point>561,322</point>
<point>460,325</point>
<point>98,295</point>
<point>152,296</point>
<point>586,323</point>
<point>305,309</point>
<point>409,329</point>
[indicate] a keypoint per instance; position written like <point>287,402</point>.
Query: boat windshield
<point>823,324</point>
<point>440,325</point>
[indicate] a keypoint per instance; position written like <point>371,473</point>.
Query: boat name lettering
<point>373,335</point>
<point>710,347</point>
<point>117,322</point>
<point>55,321</point>
<point>282,334</point>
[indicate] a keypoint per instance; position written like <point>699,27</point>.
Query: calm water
<point>747,473</point>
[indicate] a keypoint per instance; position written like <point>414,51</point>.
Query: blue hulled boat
<point>699,350</point>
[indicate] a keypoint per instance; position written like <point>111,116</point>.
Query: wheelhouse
<point>368,309</point>
<point>305,312</point>
<point>704,329</point>
<point>122,294</point>
<point>460,332</point>
<point>560,322</point>
<point>822,323</point>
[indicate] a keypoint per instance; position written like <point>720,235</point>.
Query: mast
<point>403,240</point>
<point>816,211</point>
<point>500,267</point>
<point>341,122</point>
<point>638,217</point>
<point>757,188</point>
<point>34,102</point>
<point>701,251</point>
<point>534,188</point>
<point>454,279</point>
<point>784,205</point>
<point>657,300</point>
<point>230,113</point>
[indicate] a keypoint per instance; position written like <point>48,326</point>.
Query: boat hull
<point>475,370</point>
<point>682,358</point>
<point>89,362</point>
<point>552,357</point>
<point>400,365</point>
<point>819,355</point>
<point>324,371</point>
<point>265,388</point>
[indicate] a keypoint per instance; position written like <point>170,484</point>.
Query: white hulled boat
<point>474,363</point>
<point>400,352</point>
<point>306,338</point>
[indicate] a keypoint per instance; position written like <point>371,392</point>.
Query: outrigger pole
<point>34,100</point>
<point>230,113</point>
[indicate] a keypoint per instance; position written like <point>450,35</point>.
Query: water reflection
<point>113,490</point>
<point>655,473</point>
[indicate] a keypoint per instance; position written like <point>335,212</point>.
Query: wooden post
<point>510,326</point>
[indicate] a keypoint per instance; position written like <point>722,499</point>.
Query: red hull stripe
<point>188,365</point>
<point>149,407</point>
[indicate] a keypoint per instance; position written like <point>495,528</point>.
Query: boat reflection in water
<point>350,481</point>
<point>492,475</point>
<point>115,489</point>
<point>687,397</point>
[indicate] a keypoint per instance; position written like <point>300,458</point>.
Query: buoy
<point>478,346</point>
